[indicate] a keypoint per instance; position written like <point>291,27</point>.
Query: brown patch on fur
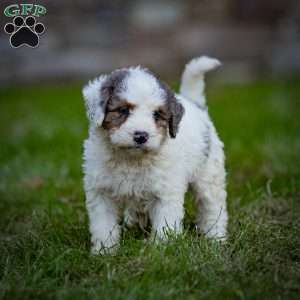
<point>161,117</point>
<point>108,91</point>
<point>175,110</point>
<point>117,112</point>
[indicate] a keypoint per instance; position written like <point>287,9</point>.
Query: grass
<point>44,240</point>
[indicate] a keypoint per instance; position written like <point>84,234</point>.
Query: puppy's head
<point>134,108</point>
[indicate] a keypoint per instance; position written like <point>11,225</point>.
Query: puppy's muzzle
<point>140,137</point>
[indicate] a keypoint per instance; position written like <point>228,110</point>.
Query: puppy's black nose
<point>140,137</point>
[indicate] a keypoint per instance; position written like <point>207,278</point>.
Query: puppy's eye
<point>158,115</point>
<point>123,110</point>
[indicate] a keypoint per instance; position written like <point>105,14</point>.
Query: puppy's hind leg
<point>130,217</point>
<point>210,195</point>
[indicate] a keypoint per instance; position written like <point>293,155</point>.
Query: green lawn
<point>44,238</point>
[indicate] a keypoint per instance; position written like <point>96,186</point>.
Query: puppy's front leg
<point>103,217</point>
<point>167,216</point>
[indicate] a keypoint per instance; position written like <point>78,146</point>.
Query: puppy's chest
<point>136,183</point>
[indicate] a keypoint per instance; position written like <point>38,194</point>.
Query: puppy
<point>146,146</point>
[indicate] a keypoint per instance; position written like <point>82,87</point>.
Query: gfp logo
<point>24,30</point>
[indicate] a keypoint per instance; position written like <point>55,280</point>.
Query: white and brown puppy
<point>146,146</point>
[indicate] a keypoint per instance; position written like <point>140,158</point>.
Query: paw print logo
<point>24,31</point>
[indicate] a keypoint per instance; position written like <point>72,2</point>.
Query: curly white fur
<point>154,184</point>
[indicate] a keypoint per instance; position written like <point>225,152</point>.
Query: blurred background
<point>253,38</point>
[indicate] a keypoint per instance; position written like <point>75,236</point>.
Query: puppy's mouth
<point>137,146</point>
<point>135,149</point>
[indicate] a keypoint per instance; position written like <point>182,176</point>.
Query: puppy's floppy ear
<point>98,92</point>
<point>95,106</point>
<point>175,111</point>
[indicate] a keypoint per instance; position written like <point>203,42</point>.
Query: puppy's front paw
<point>100,248</point>
<point>218,238</point>
<point>214,233</point>
<point>165,234</point>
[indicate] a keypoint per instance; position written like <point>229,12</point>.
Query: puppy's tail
<point>192,80</point>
